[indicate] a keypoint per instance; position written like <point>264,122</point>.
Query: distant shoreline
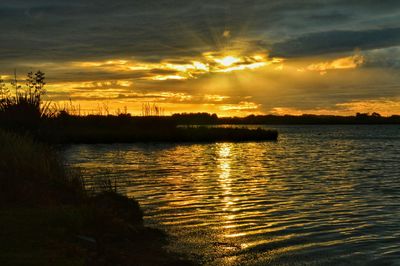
<point>179,128</point>
<point>305,119</point>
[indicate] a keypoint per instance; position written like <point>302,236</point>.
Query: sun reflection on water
<point>224,158</point>
<point>288,203</point>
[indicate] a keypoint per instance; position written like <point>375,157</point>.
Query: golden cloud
<point>384,106</point>
<point>191,68</point>
<point>215,98</point>
<point>348,62</point>
<point>240,106</point>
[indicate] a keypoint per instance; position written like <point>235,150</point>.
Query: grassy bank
<point>31,174</point>
<point>47,218</point>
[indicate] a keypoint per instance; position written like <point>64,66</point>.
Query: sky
<point>233,58</point>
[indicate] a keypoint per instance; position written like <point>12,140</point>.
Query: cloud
<point>130,51</point>
<point>383,106</point>
<point>388,58</point>
<point>156,30</point>
<point>336,41</point>
<point>348,62</point>
<point>242,106</point>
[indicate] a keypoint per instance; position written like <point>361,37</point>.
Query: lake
<point>319,195</point>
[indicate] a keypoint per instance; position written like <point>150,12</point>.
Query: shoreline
<point>52,220</point>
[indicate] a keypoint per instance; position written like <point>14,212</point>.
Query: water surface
<point>319,195</point>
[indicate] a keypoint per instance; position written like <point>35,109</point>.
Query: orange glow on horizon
<point>227,82</point>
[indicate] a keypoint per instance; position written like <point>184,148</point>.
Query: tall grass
<point>56,223</point>
<point>32,173</point>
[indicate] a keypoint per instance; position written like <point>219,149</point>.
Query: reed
<point>152,110</point>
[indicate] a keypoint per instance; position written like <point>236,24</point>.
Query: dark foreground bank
<point>47,217</point>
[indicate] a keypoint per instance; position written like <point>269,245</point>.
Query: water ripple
<point>321,195</point>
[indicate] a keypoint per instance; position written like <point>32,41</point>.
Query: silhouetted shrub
<point>25,109</point>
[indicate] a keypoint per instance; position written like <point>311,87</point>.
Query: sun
<point>227,61</point>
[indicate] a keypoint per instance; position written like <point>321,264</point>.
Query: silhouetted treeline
<point>306,119</point>
<point>195,119</point>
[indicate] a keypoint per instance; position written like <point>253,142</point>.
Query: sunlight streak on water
<point>320,195</point>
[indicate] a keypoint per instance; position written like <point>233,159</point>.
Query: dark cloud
<point>52,35</point>
<point>60,30</point>
<point>337,41</point>
<point>388,58</point>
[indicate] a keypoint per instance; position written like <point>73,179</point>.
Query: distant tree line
<point>305,119</point>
